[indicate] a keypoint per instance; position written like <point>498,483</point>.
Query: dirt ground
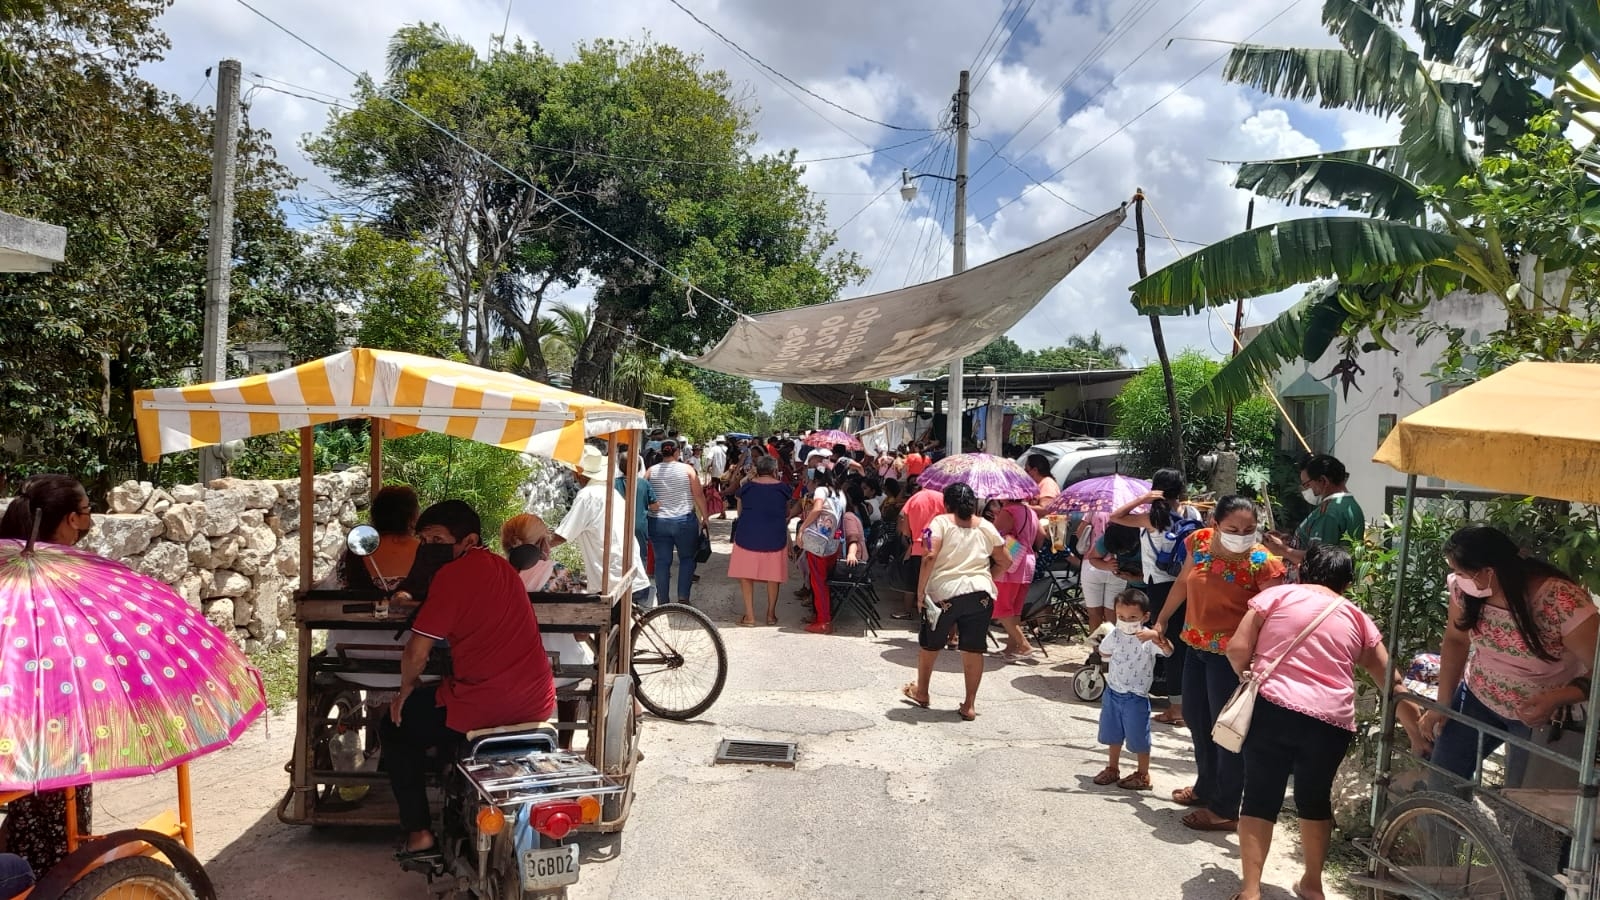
<point>887,800</point>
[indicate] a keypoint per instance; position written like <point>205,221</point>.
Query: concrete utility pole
<point>219,247</point>
<point>952,427</point>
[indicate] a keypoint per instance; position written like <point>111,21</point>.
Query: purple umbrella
<point>990,477</point>
<point>1104,494</point>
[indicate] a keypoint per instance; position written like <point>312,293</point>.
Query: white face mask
<point>1469,587</point>
<point>1237,543</point>
<point>1129,628</point>
<point>1311,496</point>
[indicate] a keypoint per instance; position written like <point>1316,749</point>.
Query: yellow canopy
<point>1532,429</point>
<point>409,393</point>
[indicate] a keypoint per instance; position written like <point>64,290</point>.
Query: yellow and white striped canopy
<point>409,393</point>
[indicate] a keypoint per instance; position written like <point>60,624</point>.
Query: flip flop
<point>1194,821</point>
<point>772,620</point>
<point>748,622</point>
<point>1185,796</point>
<point>967,715</point>
<point>425,854</point>
<point>909,692</point>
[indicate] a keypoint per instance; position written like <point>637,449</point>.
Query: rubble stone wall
<point>231,548</point>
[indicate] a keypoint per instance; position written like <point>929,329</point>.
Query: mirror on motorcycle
<point>362,540</point>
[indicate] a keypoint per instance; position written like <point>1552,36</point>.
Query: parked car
<point>1073,461</point>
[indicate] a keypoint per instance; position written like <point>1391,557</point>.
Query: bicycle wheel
<point>679,662</point>
<point>1445,845</point>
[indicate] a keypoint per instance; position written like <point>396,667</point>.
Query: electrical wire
<point>891,186</point>
<point>554,201</point>
<point>1142,113</point>
<point>994,31</point>
<point>758,61</point>
<point>1011,33</point>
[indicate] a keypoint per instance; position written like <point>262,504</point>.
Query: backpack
<point>821,537</point>
<point>1171,560</point>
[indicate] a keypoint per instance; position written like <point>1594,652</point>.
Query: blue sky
<point>1079,99</point>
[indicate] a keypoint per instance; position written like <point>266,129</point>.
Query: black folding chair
<point>852,586</point>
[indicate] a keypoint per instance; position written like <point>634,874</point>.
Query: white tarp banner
<point>903,331</point>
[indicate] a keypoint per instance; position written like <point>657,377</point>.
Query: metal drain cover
<point>764,753</point>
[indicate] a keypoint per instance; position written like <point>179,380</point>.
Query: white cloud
<point>899,67</point>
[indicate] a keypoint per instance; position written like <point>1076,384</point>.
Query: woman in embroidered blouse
<point>1227,565</point>
<point>1530,633</point>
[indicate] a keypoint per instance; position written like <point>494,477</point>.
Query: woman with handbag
<point>1296,650</point>
<point>1020,527</point>
<point>820,534</point>
<point>1227,566</point>
<point>1529,630</point>
<point>676,522</point>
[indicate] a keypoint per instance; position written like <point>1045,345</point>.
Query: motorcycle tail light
<point>590,808</point>
<point>491,820</point>
<point>557,818</point>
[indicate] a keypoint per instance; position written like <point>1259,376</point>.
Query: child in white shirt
<point>1125,707</point>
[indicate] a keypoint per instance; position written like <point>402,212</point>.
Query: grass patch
<point>279,672</point>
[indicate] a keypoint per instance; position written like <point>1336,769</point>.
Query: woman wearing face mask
<point>1530,633</point>
<point>1226,567</point>
<point>1335,518</point>
<point>1167,510</point>
<point>36,825</point>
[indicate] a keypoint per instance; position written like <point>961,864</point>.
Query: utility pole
<point>1160,340</point>
<point>219,246</point>
<point>1224,478</point>
<point>1238,326</point>
<point>952,425</point>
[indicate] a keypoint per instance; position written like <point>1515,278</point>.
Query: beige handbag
<point>1233,723</point>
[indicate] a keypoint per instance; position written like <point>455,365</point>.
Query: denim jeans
<point>16,875</point>
<point>683,534</point>
<point>1456,748</point>
<point>1209,680</point>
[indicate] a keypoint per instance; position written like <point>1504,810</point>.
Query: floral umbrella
<point>105,673</point>
<point>1103,494</point>
<point>990,477</point>
<point>827,437</point>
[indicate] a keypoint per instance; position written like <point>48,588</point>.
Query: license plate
<point>543,869</point>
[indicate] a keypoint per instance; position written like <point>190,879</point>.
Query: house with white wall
<point>1393,385</point>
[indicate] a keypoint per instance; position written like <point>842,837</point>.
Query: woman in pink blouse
<point>1305,711</point>
<point>1529,630</point>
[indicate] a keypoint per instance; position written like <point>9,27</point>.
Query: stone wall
<point>232,549</point>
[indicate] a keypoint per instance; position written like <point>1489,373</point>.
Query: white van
<point>1074,461</point>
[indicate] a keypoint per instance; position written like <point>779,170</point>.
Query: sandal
<point>1205,820</point>
<point>966,713</point>
<point>746,622</point>
<point>1138,781</point>
<point>820,628</point>
<point>909,691</point>
<point>772,620</point>
<point>1108,775</point>
<point>1186,796</point>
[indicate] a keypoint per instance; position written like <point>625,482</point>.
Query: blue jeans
<point>1456,748</point>
<point>1208,682</point>
<point>16,875</point>
<point>683,534</point>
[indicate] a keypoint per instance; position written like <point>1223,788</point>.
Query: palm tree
<point>1473,88</point>
<point>1113,354</point>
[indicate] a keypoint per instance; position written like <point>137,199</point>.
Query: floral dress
<point>1220,588</point>
<point>36,826</point>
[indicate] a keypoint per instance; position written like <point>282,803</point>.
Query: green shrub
<point>440,467</point>
<point>1143,421</point>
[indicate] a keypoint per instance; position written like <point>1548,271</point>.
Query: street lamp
<point>908,183</point>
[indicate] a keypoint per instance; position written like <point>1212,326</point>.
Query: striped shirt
<point>670,481</point>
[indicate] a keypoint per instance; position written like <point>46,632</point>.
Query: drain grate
<point>765,753</point>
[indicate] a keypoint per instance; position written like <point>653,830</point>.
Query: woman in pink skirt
<point>761,538</point>
<point>1019,525</point>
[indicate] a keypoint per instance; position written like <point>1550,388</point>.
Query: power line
<point>891,186</point>
<point>347,104</point>
<point>554,201</point>
<point>994,31</point>
<point>1141,114</point>
<point>757,60</point>
<point>1011,34</point>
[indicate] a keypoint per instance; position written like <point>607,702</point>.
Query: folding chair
<point>852,586</point>
<point>1053,608</point>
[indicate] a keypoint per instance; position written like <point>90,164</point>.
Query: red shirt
<point>915,463</point>
<point>500,673</point>
<point>919,511</point>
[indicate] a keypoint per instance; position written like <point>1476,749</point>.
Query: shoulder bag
<point>1233,723</point>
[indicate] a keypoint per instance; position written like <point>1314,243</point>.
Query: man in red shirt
<point>914,518</point>
<point>500,674</point>
<point>916,462</point>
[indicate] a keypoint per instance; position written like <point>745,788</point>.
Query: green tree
<point>787,415</point>
<point>1144,426</point>
<point>87,144</point>
<point>398,293</point>
<point>1478,77</point>
<point>1002,353</point>
<point>692,412</point>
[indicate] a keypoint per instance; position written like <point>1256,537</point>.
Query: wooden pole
<point>1238,326</point>
<point>300,789</point>
<point>1160,342</point>
<point>375,457</point>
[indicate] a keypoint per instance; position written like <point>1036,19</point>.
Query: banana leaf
<point>1303,331</point>
<point>1363,180</point>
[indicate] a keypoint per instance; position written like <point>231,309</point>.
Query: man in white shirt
<point>585,525</point>
<point>718,455</point>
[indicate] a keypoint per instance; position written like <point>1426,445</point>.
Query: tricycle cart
<point>341,686</point>
<point>1531,430</point>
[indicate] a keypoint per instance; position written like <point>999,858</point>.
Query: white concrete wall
<point>1396,384</point>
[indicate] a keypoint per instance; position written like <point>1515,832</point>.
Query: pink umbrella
<point>108,674</point>
<point>827,437</point>
<point>990,477</point>
<point>1104,494</point>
